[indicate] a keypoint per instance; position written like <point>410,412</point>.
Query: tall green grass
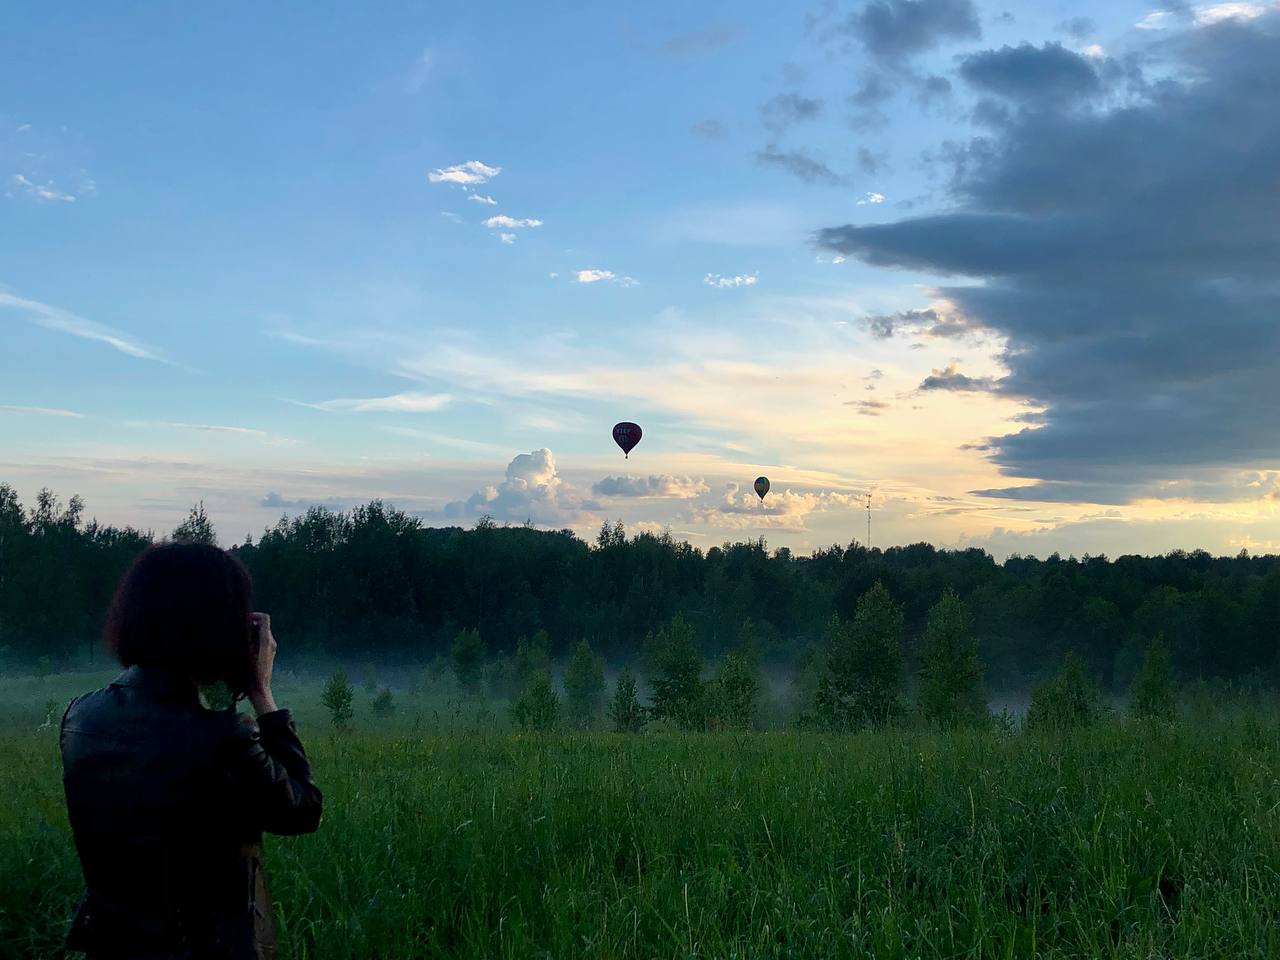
<point>1117,841</point>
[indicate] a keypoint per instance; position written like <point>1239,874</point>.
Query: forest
<point>375,582</point>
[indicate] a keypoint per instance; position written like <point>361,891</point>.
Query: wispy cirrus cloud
<point>482,198</point>
<point>40,411</point>
<point>63,321</point>
<point>42,191</point>
<point>247,432</point>
<point>410,402</point>
<point>465,174</point>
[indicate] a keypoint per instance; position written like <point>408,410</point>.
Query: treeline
<point>375,582</point>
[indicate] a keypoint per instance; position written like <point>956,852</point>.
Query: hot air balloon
<point>627,435</point>
<point>762,486</point>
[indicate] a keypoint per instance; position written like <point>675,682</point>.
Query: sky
<point>1009,269</point>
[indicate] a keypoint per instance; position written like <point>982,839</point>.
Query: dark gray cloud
<point>1128,256</point>
<point>699,42</point>
<point>868,408</point>
<point>917,323</point>
<point>895,30</point>
<point>1078,28</point>
<point>788,108</point>
<point>870,162</point>
<point>711,129</point>
<point>799,164</point>
<point>953,380</point>
<point>1026,73</point>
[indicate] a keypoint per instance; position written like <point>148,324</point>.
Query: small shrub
<point>337,698</point>
<point>625,712</point>
<point>538,708</point>
<point>384,704</point>
<point>1065,702</point>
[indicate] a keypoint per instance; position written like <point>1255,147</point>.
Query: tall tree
<point>584,686</point>
<point>865,670</point>
<point>951,686</point>
<point>196,528</point>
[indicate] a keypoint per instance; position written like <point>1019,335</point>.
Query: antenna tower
<point>868,521</point>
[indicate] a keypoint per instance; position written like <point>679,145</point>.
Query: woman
<point>168,799</point>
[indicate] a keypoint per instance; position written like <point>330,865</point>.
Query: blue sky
<point>244,258</point>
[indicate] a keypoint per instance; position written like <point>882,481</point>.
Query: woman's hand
<point>260,693</point>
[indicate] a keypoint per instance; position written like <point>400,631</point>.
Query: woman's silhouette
<point>168,799</point>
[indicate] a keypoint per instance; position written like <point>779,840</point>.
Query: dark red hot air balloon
<point>627,435</point>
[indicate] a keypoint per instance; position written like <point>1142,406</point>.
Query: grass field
<point>1118,841</point>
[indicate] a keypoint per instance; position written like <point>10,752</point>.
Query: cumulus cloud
<point>465,174</point>
<point>54,318</point>
<point>411,402</point>
<point>1126,257</point>
<point>481,198</point>
<point>871,198</point>
<point>799,164</point>
<point>655,485</point>
<point>510,223</point>
<point>533,490</point>
<point>603,276</point>
<point>739,508</point>
<point>722,282</point>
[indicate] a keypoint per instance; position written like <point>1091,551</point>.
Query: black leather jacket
<point>168,802</point>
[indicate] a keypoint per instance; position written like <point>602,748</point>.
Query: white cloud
<point>481,198</point>
<point>871,197</point>
<point>396,403</point>
<point>533,490</point>
<point>741,280</point>
<point>52,318</point>
<point>40,411</point>
<point>594,276</point>
<point>510,223</point>
<point>45,191</point>
<point>740,508</point>
<point>507,237</point>
<point>1094,51</point>
<point>450,216</point>
<point>1155,20</point>
<point>471,172</point>
<point>655,485</point>
<point>1217,12</point>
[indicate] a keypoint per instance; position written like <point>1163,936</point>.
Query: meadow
<point>447,835</point>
